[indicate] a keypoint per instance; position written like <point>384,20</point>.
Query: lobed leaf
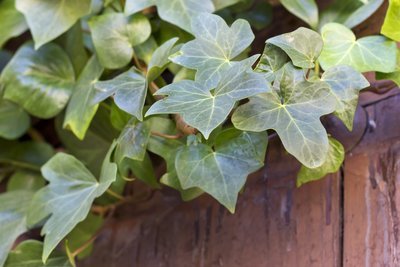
<point>306,10</point>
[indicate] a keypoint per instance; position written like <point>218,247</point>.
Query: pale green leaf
<point>129,90</point>
<point>349,12</point>
<point>80,110</point>
<point>306,10</point>
<point>132,142</point>
<point>14,121</point>
<point>345,84</point>
<point>177,12</point>
<point>12,22</point>
<point>303,46</point>
<point>391,25</point>
<point>13,208</point>
<point>29,254</point>
<point>48,19</point>
<point>294,113</point>
<point>68,197</point>
<point>331,165</point>
<point>24,180</point>
<point>222,172</point>
<point>160,60</point>
<point>272,60</point>
<point>214,48</point>
<point>41,81</point>
<point>371,53</point>
<point>82,233</point>
<point>203,109</point>
<point>114,36</point>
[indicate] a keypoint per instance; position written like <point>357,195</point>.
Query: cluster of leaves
<point>90,69</point>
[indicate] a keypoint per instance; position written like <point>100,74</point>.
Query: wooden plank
<point>275,224</point>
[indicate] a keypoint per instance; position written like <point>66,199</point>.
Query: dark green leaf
<point>272,60</point>
<point>14,121</point>
<point>40,81</point>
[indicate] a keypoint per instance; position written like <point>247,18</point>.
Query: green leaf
<point>13,208</point>
<point>303,46</point>
<point>80,110</point>
<point>177,12</point>
<point>93,148</point>
<point>118,117</point>
<point>215,46</point>
<point>349,12</point>
<point>372,53</point>
<point>14,121</point>
<point>142,170</point>
<point>71,186</point>
<point>129,90</point>
<point>306,10</point>
<point>23,180</point>
<point>272,60</point>
<point>294,113</point>
<point>391,25</point>
<point>222,172</point>
<point>220,4</point>
<point>114,36</point>
<point>28,254</point>
<point>82,233</point>
<point>160,60</point>
<point>331,165</point>
<point>203,109</point>
<point>345,84</point>
<point>48,19</point>
<point>259,16</point>
<point>394,76</point>
<point>132,142</point>
<point>40,81</point>
<point>12,22</point>
<point>25,155</point>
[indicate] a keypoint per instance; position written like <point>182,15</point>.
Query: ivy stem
<point>317,68</point>
<point>35,135</point>
<point>114,194</point>
<point>167,136</point>
<point>22,165</point>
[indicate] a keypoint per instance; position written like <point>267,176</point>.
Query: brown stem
<point>167,136</point>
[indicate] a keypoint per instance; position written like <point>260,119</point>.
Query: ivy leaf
<point>129,90</point>
<point>306,10</point>
<point>331,165</point>
<point>222,172</point>
<point>14,121</point>
<point>28,254</point>
<point>167,149</point>
<point>71,186</point>
<point>82,233</point>
<point>220,4</point>
<point>272,59</point>
<point>203,109</point>
<point>80,110</point>
<point>12,22</point>
<point>303,46</point>
<point>394,76</point>
<point>294,114</point>
<point>48,19</point>
<point>114,36</point>
<point>177,12</point>
<point>215,46</point>
<point>132,142</point>
<point>349,12</point>
<point>13,208</point>
<point>372,53</point>
<point>391,25</point>
<point>160,59</point>
<point>345,84</point>
<point>41,81</point>
<point>24,180</point>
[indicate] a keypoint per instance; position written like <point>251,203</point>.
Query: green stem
<point>22,165</point>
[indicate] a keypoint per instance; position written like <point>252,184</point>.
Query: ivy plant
<point>96,94</point>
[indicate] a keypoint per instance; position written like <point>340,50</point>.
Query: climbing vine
<point>96,95</point>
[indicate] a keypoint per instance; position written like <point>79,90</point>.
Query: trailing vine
<point>134,85</point>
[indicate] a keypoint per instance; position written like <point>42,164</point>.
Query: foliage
<point>127,86</point>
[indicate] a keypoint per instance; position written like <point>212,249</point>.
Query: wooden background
<point>349,219</point>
